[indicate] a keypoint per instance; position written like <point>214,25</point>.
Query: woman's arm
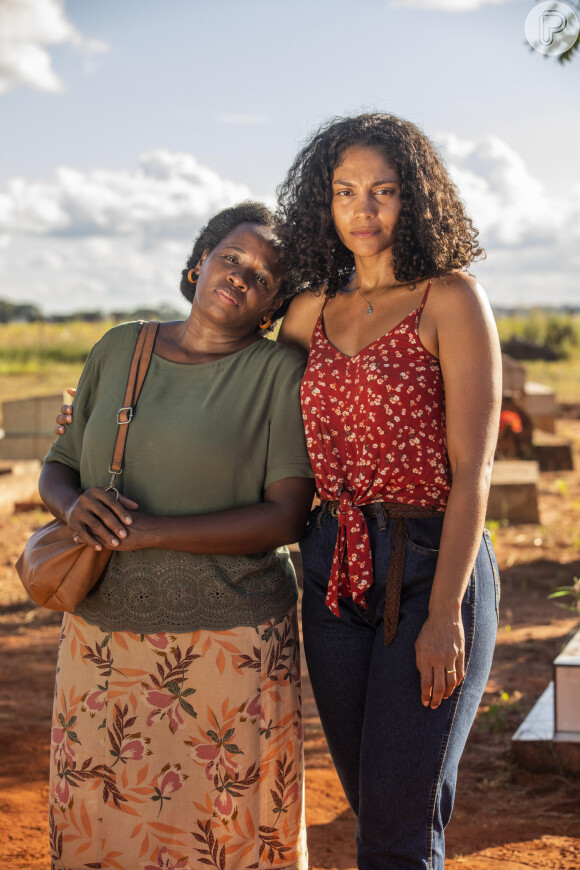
<point>99,521</point>
<point>470,359</point>
<point>300,319</point>
<point>103,523</point>
<point>279,519</point>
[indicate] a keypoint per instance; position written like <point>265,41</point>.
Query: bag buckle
<point>130,415</point>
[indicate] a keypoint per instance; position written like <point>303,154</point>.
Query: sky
<point>125,124</point>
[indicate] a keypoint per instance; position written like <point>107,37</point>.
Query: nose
<point>366,205</point>
<point>240,278</point>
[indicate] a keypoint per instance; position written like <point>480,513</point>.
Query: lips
<point>228,295</point>
<point>365,232</point>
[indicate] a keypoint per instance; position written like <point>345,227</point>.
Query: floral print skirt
<point>177,751</point>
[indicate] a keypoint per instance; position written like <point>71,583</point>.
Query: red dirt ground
<point>505,818</point>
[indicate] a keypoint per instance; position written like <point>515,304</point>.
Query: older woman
<point>401,402</point>
<point>177,734</point>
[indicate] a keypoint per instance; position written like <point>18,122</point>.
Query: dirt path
<point>505,818</point>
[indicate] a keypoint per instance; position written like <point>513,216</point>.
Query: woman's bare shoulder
<point>462,318</point>
<point>458,295</point>
<point>300,319</point>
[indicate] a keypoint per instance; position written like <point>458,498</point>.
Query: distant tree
<point>162,312</point>
<point>12,311</point>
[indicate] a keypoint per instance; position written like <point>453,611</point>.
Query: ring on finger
<point>450,671</point>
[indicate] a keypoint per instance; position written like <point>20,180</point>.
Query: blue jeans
<point>397,760</point>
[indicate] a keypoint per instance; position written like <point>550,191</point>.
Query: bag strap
<point>137,372</point>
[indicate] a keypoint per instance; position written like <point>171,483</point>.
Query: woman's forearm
<point>279,519</point>
<point>461,536</point>
<point>59,488</point>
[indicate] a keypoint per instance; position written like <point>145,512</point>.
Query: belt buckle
<point>333,509</point>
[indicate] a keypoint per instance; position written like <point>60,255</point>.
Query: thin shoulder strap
<point>138,370</point>
<point>424,300</point>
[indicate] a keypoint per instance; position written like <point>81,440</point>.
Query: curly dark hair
<point>434,234</point>
<point>220,226</point>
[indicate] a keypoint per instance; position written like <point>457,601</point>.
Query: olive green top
<point>204,438</point>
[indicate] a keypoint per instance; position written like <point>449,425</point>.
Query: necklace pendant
<point>370,309</point>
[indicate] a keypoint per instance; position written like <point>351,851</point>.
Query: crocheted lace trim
<point>186,592</point>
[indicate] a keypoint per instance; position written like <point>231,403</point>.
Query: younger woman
<point>400,402</point>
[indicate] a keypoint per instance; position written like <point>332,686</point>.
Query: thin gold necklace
<point>370,308</point>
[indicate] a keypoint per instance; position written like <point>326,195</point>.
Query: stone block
<point>16,447</point>
<point>567,689</point>
<point>33,416</point>
<point>540,403</point>
<point>29,427</point>
<point>536,745</point>
<point>514,376</point>
<point>552,452</point>
<point>513,494</point>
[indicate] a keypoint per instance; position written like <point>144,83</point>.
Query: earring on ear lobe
<point>265,322</point>
<point>190,277</point>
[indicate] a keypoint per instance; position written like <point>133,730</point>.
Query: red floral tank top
<point>375,431</point>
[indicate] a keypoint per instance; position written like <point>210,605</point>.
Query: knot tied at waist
<point>352,568</point>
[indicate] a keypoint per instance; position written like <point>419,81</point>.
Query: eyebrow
<point>374,184</point>
<point>263,266</point>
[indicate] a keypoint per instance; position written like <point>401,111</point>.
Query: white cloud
<point>532,237</point>
<point>168,194</point>
<point>509,205</point>
<point>104,239</point>
<point>27,28</point>
<point>447,5</point>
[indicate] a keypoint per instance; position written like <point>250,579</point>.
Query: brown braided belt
<point>398,513</point>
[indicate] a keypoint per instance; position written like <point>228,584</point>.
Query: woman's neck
<point>188,341</point>
<point>374,273</point>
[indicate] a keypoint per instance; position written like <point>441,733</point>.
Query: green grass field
<point>39,359</point>
<point>43,358</point>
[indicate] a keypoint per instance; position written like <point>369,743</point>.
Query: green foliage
<point>26,348</point>
<point>561,331</point>
<point>492,527</point>
<point>12,311</point>
<point>571,593</point>
<point>558,330</point>
<point>497,716</point>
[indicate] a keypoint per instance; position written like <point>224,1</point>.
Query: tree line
<point>27,312</point>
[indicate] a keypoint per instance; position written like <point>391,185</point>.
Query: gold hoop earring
<point>190,279</point>
<point>265,322</point>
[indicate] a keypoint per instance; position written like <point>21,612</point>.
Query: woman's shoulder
<point>117,344</point>
<point>300,319</point>
<point>280,357</point>
<point>459,311</point>
<point>120,335</point>
<point>459,294</point>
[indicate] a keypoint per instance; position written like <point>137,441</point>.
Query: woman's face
<point>239,280</point>
<point>366,201</point>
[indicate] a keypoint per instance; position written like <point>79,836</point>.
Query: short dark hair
<point>220,226</point>
<point>434,234</point>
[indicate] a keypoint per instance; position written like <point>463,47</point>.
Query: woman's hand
<point>66,415</point>
<point>100,519</point>
<point>440,657</point>
<point>143,535</point>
